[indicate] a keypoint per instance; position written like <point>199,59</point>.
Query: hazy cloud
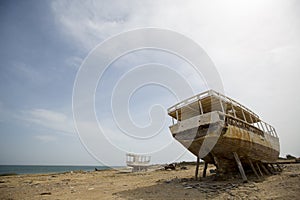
<point>254,44</point>
<point>49,119</point>
<point>46,138</point>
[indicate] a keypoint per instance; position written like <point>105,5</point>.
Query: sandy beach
<point>159,184</point>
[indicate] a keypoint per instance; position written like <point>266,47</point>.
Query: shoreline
<point>158,184</point>
<point>6,170</point>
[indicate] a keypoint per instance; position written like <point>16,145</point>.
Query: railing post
<point>267,127</point>
<point>262,126</point>
<point>275,132</point>
<point>221,105</point>
<point>232,109</point>
<point>244,115</point>
<point>200,107</point>
<point>251,118</point>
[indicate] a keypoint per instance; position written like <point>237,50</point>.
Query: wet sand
<point>160,184</point>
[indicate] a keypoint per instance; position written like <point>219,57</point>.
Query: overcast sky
<point>255,46</point>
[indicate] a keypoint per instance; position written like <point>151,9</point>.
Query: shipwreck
<point>223,132</point>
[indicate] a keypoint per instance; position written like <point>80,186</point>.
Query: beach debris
<point>171,166</point>
<point>3,186</point>
<point>293,175</point>
<point>8,174</point>
<point>28,181</point>
<point>183,168</point>
<point>45,193</point>
<point>290,157</point>
<point>91,188</point>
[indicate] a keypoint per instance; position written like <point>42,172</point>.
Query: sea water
<point>45,169</point>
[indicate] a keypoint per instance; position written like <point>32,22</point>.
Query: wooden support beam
<point>265,169</point>
<point>240,166</point>
<point>204,169</point>
<point>197,168</point>
<point>259,169</point>
<point>215,160</point>
<point>270,169</point>
<point>253,169</point>
<point>279,168</point>
<point>273,167</point>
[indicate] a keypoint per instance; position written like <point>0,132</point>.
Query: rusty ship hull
<point>214,126</point>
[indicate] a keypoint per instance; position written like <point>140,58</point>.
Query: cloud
<point>49,119</point>
<point>25,71</point>
<point>89,22</point>
<point>45,138</point>
<point>254,44</point>
<point>74,62</point>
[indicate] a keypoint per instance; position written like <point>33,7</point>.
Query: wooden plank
<point>265,169</point>
<point>273,168</point>
<point>215,161</point>
<point>269,168</point>
<point>259,169</point>
<point>197,168</point>
<point>279,168</point>
<point>240,166</point>
<point>253,169</point>
<point>204,169</point>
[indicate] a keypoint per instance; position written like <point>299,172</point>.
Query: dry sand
<point>161,184</point>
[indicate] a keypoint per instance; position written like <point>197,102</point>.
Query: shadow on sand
<point>206,188</point>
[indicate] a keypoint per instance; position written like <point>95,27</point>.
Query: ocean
<point>44,169</point>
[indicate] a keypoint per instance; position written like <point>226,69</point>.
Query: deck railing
<point>210,93</point>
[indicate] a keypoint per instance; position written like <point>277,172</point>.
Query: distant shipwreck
<point>221,131</point>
